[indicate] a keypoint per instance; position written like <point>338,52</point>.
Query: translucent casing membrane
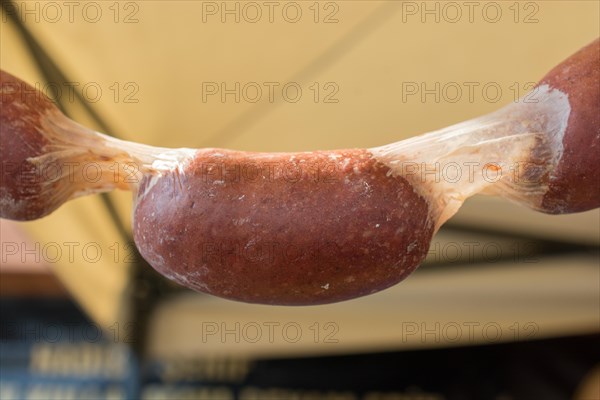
<point>508,153</point>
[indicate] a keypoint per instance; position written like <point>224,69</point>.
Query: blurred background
<point>506,306</point>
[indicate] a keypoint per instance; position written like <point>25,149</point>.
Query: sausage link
<point>294,229</point>
<point>574,185</point>
<point>23,108</point>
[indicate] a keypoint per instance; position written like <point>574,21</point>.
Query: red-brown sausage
<point>575,183</point>
<point>300,228</point>
<point>45,155</point>
<point>23,108</point>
